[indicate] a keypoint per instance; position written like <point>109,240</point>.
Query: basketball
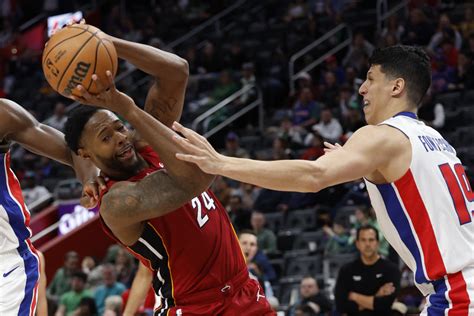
<point>74,54</point>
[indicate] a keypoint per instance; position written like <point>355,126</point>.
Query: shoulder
<point>388,265</point>
<point>379,138</point>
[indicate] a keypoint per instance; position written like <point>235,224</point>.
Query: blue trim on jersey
<point>32,277</point>
<point>14,211</point>
<point>401,223</point>
<point>438,301</point>
<point>408,114</point>
<point>17,222</point>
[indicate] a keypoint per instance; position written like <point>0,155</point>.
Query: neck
<point>125,174</point>
<point>368,261</point>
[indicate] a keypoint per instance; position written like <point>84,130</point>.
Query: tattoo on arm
<point>129,203</point>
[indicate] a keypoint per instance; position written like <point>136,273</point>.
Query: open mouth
<point>126,152</point>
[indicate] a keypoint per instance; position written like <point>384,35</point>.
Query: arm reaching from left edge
<point>20,126</point>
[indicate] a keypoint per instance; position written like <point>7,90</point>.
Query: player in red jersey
<point>165,216</point>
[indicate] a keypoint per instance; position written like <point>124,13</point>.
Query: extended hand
<point>330,147</point>
<point>196,149</point>
<point>110,98</point>
<point>91,191</point>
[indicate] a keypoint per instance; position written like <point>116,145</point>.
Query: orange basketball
<point>73,54</point>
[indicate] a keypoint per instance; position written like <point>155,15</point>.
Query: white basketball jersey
<point>427,214</point>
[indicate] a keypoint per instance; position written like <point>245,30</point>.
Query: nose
<point>363,89</point>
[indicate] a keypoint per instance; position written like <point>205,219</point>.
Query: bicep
<point>165,100</point>
<point>46,141</point>
<point>358,158</point>
<point>129,203</point>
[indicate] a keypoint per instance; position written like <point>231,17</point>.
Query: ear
<point>398,87</point>
<point>83,153</point>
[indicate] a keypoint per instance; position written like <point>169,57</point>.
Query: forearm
<point>151,60</point>
<point>158,137</point>
<point>364,301</point>
<point>138,291</point>
<point>85,169</point>
<point>280,175</point>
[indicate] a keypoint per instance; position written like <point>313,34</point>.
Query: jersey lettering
<point>459,199</point>
<point>209,204</point>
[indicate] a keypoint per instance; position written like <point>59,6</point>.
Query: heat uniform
<point>427,216</point>
<point>195,256</point>
<point>19,263</point>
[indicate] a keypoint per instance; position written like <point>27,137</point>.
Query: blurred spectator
<point>339,238</point>
<point>88,264</point>
<point>306,111</point>
<point>248,81</point>
<point>70,300</point>
<point>311,299</point>
<point>329,90</point>
<point>32,191</point>
<point>221,188</point>
<point>257,262</point>
<point>444,75</point>
<point>249,194</point>
<point>393,28</point>
<point>280,149</point>
<point>125,267</point>
<point>265,237</point>
<point>431,112</point>
<point>113,306</point>
<point>464,72</point>
<point>297,9</point>
<point>86,307</point>
<point>329,127</point>
<point>445,30</point>
<point>418,30</point>
<point>364,216</point>
<point>109,288</point>
<point>61,282</point>
<point>466,26</point>
<point>232,147</point>
<point>235,57</point>
<point>316,147</point>
<point>333,66</point>
<point>59,117</point>
<point>358,52</point>
<point>287,131</point>
<point>370,284</point>
<point>209,60</point>
<point>239,215</point>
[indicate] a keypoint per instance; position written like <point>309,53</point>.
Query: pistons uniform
<point>19,264</point>
<point>195,256</point>
<point>427,216</point>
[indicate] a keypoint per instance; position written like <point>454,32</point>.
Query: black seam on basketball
<point>70,62</point>
<point>108,53</point>
<point>95,62</point>
<point>83,31</point>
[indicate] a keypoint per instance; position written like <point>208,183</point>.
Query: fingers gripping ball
<point>73,54</point>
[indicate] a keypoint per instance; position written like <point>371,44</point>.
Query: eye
<point>122,128</point>
<point>106,139</point>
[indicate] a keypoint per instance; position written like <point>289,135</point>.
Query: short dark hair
<point>76,120</point>
<point>367,227</point>
<point>408,62</point>
<point>80,275</point>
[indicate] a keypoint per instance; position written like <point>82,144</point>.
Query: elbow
<point>316,179</point>
<point>183,69</point>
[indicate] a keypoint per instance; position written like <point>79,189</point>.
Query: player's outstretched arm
<point>20,126</point>
<point>366,151</point>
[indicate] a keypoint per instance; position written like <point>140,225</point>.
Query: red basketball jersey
<point>192,249</point>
